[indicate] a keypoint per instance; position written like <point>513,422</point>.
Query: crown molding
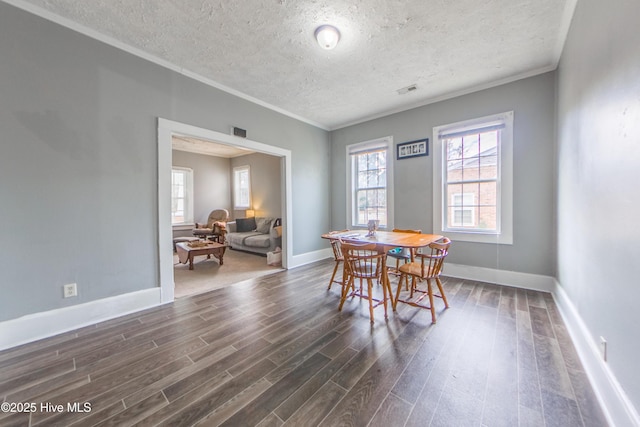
<point>450,95</point>
<point>111,41</point>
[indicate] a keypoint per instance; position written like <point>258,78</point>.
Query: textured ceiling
<point>210,148</point>
<point>265,49</point>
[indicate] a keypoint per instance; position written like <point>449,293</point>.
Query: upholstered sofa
<point>259,235</point>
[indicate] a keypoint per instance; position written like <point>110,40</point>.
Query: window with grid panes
<point>371,187</point>
<point>181,196</point>
<point>370,179</point>
<point>472,179</point>
<point>242,187</point>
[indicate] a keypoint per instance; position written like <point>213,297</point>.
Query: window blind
<point>470,130</point>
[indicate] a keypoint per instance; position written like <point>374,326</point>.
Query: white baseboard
<point>615,403</point>
<point>617,407</point>
<point>309,257</point>
<point>36,326</point>
<point>536,282</point>
<point>46,324</point>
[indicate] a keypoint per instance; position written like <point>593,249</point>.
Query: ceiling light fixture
<point>327,36</point>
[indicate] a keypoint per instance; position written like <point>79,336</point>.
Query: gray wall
<point>266,193</point>
<point>532,101</point>
<point>78,163</point>
<point>211,184</point>
<point>598,176</point>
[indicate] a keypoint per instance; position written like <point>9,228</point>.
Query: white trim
<point>236,188</point>
<point>463,207</point>
<point>505,183</point>
<point>46,324</point>
<point>89,32</point>
<point>386,141</point>
<point>309,257</point>
<point>615,403</point>
<point>189,195</point>
<point>168,128</point>
<point>535,282</point>
<point>450,95</point>
<point>182,227</point>
<point>165,231</point>
<point>565,25</point>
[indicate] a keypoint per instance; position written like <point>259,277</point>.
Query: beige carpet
<point>208,275</point>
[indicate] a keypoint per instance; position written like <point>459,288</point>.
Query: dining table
<point>385,240</point>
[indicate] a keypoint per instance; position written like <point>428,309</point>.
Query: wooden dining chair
<point>365,263</point>
<point>427,268</point>
<point>337,256</point>
<point>405,254</point>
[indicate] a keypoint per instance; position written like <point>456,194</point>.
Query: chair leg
<point>370,291</point>
<point>345,291</point>
<point>406,287</point>
<point>394,303</point>
<point>433,308</point>
<point>444,297</point>
<point>384,297</point>
<point>413,286</point>
<point>333,276</point>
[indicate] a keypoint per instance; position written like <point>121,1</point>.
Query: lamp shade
<point>249,213</point>
<point>327,36</point>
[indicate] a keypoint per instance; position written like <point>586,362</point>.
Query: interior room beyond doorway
<point>274,202</point>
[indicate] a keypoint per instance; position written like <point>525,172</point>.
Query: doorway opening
<point>167,130</point>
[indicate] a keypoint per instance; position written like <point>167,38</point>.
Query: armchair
<point>215,227</point>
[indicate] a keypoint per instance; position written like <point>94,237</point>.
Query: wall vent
<point>242,133</point>
<point>407,89</point>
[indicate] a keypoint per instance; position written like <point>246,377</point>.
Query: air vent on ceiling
<point>407,89</point>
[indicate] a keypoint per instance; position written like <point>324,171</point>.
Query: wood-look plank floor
<point>275,351</point>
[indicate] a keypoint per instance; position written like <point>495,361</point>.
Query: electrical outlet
<point>603,348</point>
<point>70,290</point>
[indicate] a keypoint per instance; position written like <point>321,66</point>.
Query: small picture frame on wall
<point>416,148</point>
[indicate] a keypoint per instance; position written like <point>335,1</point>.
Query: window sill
<point>365,228</point>
<point>461,236</point>
<point>178,227</point>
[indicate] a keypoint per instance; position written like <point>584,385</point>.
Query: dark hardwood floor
<point>276,351</point>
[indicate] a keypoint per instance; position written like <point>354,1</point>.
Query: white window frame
<point>237,202</point>
<point>385,143</point>
<point>462,208</point>
<point>188,205</point>
<point>504,218</point>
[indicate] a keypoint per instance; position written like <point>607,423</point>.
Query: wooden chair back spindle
<point>365,263</point>
<point>337,256</point>
<point>432,263</point>
<point>402,255</point>
<point>428,268</point>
